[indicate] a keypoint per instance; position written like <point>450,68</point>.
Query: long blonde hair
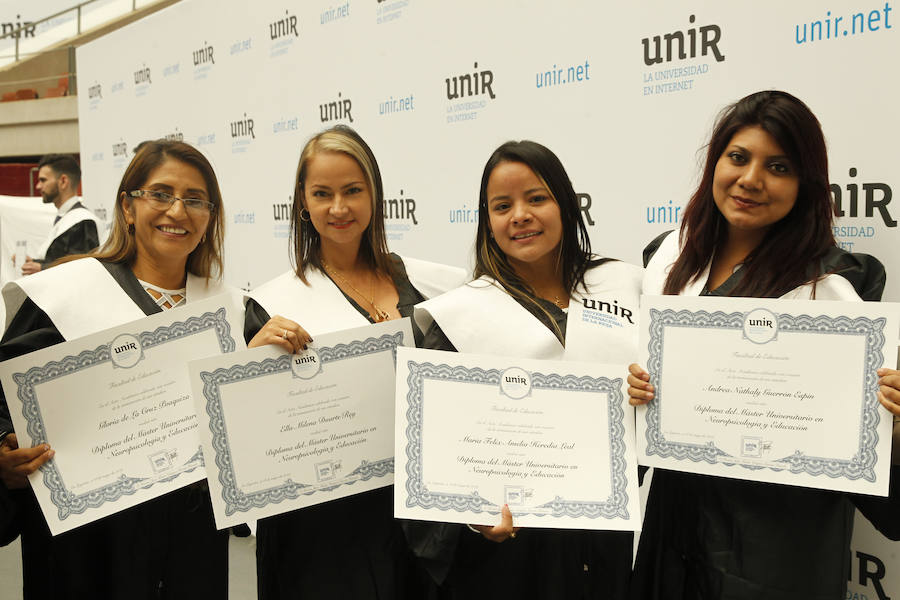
<point>305,241</point>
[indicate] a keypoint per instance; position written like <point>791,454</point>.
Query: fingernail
<point>46,447</point>
<point>52,453</point>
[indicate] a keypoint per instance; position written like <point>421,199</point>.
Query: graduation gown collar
<point>833,286</point>
<point>481,318</point>
<point>321,307</point>
<point>76,214</point>
<point>82,297</point>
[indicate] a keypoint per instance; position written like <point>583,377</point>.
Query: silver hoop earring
<point>305,218</point>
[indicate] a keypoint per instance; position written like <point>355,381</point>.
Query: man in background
<point>75,229</point>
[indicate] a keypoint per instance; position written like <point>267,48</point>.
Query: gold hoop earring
<point>306,219</point>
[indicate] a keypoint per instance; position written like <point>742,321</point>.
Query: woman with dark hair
<point>759,225</point>
<point>343,277</point>
<point>533,268</point>
<point>164,249</point>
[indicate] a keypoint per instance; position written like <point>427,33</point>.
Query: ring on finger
<point>513,535</point>
<point>284,334</point>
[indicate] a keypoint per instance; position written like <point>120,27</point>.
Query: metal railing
<point>17,33</point>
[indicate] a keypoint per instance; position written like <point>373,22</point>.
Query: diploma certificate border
<point>69,503</point>
<point>236,499</point>
<point>861,466</point>
<point>615,507</point>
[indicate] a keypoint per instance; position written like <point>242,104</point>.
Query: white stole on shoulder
<point>81,297</point>
<point>602,324</point>
<point>659,266</point>
<point>321,307</point>
<point>829,287</point>
<point>481,318</point>
<point>66,222</point>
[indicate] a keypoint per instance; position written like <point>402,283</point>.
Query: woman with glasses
<point>164,250</point>
<point>343,277</point>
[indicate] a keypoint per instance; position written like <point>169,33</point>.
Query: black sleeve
<point>865,273</point>
<point>9,529</point>
<point>883,513</point>
<point>80,238</point>
<point>653,246</point>
<point>255,317</point>
<point>435,339</point>
<point>433,544</point>
<point>31,329</point>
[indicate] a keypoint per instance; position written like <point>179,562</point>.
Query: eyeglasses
<point>163,201</point>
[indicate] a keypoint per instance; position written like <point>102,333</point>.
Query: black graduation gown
<point>80,238</point>
<point>709,537</point>
<point>165,548</point>
<point>346,548</point>
<point>544,564</point>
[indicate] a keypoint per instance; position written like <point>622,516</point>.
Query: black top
<point>714,537</point>
<point>136,553</point>
<point>80,238</point>
<point>347,548</point>
<point>408,297</point>
<point>539,564</point>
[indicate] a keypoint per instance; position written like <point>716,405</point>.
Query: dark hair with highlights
<point>575,245</point>
<point>782,261</point>
<point>306,243</point>
<point>206,259</point>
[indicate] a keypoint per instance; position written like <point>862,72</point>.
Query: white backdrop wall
<point>248,83</point>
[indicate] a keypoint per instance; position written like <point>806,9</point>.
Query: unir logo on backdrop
<point>336,110</point>
<point>281,215</point>
<point>205,55</point>
<point>680,45</point>
<point>877,196</point>
<point>284,26</point>
<point>470,92</point>
<point>470,84</point>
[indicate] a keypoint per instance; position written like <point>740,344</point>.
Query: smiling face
<point>755,184</point>
<point>338,198</point>
<point>524,217</point>
<point>165,238</point>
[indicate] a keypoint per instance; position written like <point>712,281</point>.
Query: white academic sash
<point>68,220</point>
<point>81,297</point>
<point>321,307</point>
<point>433,279</point>
<point>602,324</point>
<point>481,318</point>
<point>830,287</point>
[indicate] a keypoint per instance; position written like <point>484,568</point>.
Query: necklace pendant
<point>380,315</point>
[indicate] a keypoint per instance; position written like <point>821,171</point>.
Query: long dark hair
<point>575,246</point>
<point>783,259</point>
<point>206,259</point>
<point>306,244</point>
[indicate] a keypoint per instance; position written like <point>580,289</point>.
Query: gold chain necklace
<point>379,315</point>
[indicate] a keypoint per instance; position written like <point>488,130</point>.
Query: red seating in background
<point>26,94</point>
<point>8,97</point>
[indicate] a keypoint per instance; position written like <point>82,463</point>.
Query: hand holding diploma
<point>16,464</point>
<point>282,332</point>
<point>503,531</point>
<point>746,396</point>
